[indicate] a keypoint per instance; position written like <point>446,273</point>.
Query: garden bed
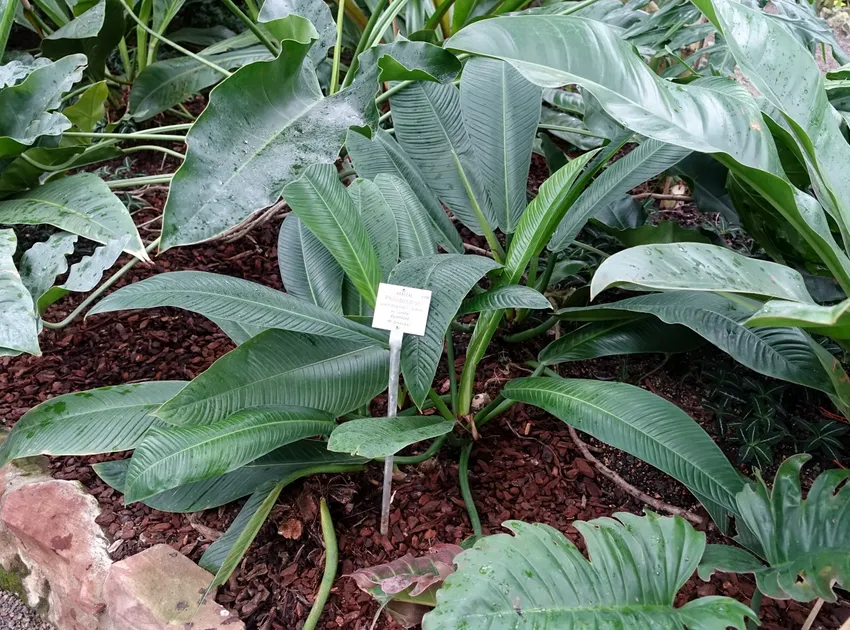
<point>525,466</point>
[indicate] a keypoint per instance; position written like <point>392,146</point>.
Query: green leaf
<point>86,274</point>
<point>382,437</point>
<point>728,560</point>
<point>228,173</point>
<point>308,269</point>
<point>709,115</point>
<point>233,299</point>
<point>282,368</point>
<point>321,203</point>
<point>697,267</point>
<point>169,457</point>
<point>538,578</point>
<point>806,543</point>
<point>415,61</point>
<point>789,78</point>
<point>628,336</point>
<point>784,353</point>
<point>640,423</point>
<point>449,277</point>
<point>104,420</point>
<point>95,33</point>
<point>18,327</point>
<point>415,235</point>
<point>163,11</point>
<point>27,110</point>
<point>382,154</point>
<point>542,217</point>
<point>43,262</point>
<point>429,127</point>
<point>319,14</point>
<point>88,110</point>
<point>665,232</point>
<point>511,296</point>
<point>221,490</point>
<point>833,321</point>
<point>81,204</point>
<point>169,82</point>
<point>379,221</point>
<point>500,112</point>
<point>18,69</point>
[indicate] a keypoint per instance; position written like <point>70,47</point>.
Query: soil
<point>525,466</point>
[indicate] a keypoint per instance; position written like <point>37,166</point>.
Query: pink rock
<point>53,523</point>
<point>159,589</point>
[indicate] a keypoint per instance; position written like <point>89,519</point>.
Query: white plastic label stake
<point>399,310</point>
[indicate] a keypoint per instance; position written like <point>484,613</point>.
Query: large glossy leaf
<point>43,262</point>
<point>510,296</point>
<point>86,274</point>
<point>537,578</point>
<point>449,277</point>
<point>263,126</point>
<point>784,353</point>
<point>697,267</point>
<point>166,83</point>
<point>415,235</point>
<point>709,115</point>
<point>19,68</point>
<point>382,154</point>
<point>308,269</point>
<point>279,368</point>
<point>211,493</point>
<point>500,112</point>
<point>626,336</point>
<point>81,204</point>
<point>222,298</point>
<point>27,110</point>
<point>429,127</point>
<point>641,164</point>
<point>789,78</point>
<point>542,217</point>
<point>402,60</point>
<point>169,457</point>
<point>806,542</point>
<point>833,321</point>
<point>321,203</point>
<point>18,323</point>
<point>381,437</point>
<point>379,221</point>
<point>102,420</point>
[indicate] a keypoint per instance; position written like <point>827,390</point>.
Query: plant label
<point>401,309</point>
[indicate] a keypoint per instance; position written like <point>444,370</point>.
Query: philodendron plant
<point>293,398</point>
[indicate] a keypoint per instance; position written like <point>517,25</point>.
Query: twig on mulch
<point>662,197</point>
<point>235,233</point>
<point>629,488</point>
<point>477,250</point>
<point>203,530</point>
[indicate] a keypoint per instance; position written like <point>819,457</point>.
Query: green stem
<point>364,41</point>
<point>511,5</point>
<point>577,7</point>
<point>755,605</point>
<point>340,21</point>
<point>253,9</point>
<point>440,405</point>
<point>411,411</point>
<point>590,248</point>
<point>331,561</point>
<point>492,241</point>
<point>441,10</point>
<point>385,21</point>
<point>540,368</point>
<point>125,59</point>
<point>398,87</point>
<point>253,27</point>
<point>175,46</point>
<point>463,474</point>
<point>450,358</point>
<point>551,263</point>
<point>140,181</point>
<point>142,34</point>
<point>575,130</point>
<point>125,136</point>
<point>153,147</point>
<point>99,291</point>
<point>7,18</point>
<point>531,333</point>
<point>436,445</point>
<point>485,328</point>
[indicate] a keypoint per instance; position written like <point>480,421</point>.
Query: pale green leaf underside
<point>381,437</point>
<point>18,328</point>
